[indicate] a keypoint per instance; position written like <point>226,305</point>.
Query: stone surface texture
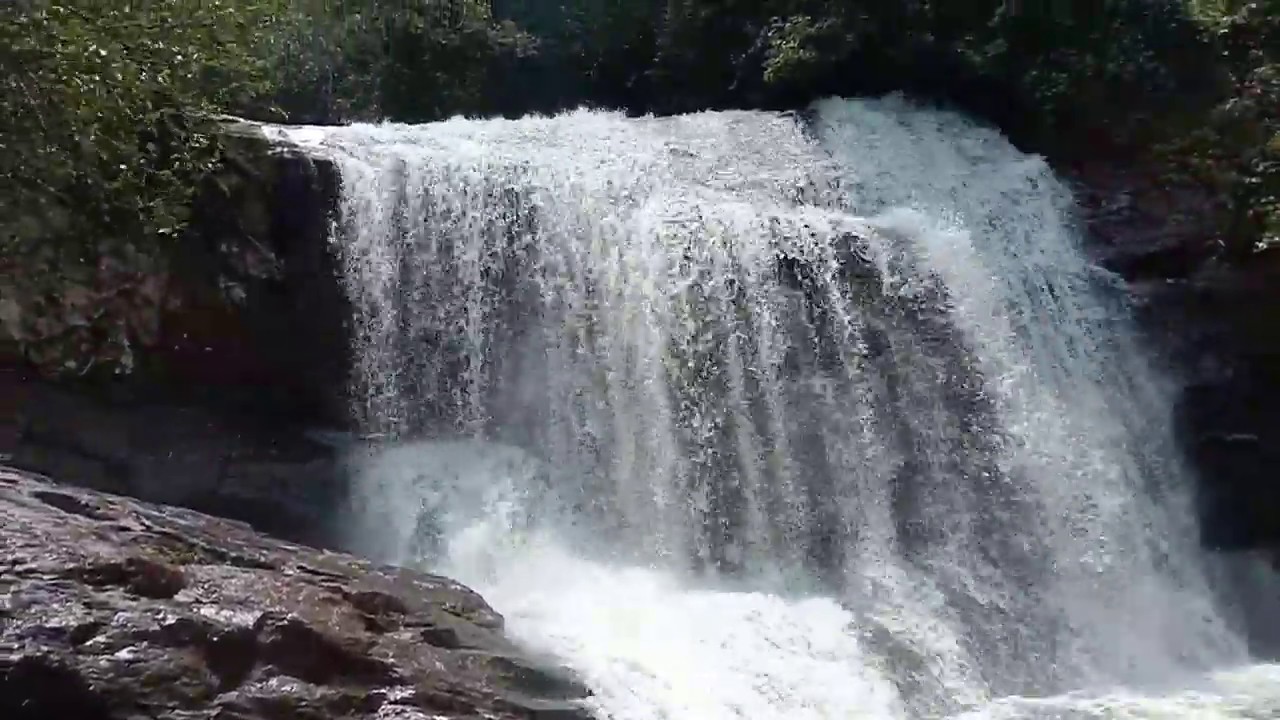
<point>114,609</point>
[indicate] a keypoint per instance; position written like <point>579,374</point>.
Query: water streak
<point>752,416</point>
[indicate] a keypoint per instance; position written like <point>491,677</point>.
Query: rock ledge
<point>112,608</point>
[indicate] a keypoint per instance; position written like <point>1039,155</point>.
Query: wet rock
<point>1231,430</point>
<point>271,476</point>
<point>1213,316</point>
<point>262,319</point>
<point>1141,226</point>
<point>113,608</point>
<point>252,349</point>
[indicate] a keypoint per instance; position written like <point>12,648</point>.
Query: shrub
<point>106,134</point>
<point>1236,152</point>
<point>103,106</point>
<point>101,147</point>
<point>413,60</point>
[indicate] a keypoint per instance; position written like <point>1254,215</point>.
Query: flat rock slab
<point>114,609</point>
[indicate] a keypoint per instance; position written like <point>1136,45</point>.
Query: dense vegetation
<point>105,107</point>
<point>1235,149</point>
<point>106,135</point>
<point>101,146</point>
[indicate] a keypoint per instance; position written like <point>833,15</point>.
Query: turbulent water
<point>746,415</point>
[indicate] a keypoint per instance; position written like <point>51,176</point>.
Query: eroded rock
<point>113,608</point>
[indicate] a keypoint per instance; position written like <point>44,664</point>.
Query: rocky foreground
<point>112,608</point>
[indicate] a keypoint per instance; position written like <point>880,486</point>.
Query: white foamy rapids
<point>1246,693</point>
<point>653,649</point>
<point>658,645</point>
<point>748,417</point>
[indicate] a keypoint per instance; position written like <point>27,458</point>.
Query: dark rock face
<point>112,608</point>
<point>1216,317</point>
<point>1232,432</point>
<point>252,352</point>
<point>1140,228</point>
<point>257,471</point>
<point>259,237</point>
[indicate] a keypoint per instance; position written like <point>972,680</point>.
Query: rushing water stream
<point>755,416</point>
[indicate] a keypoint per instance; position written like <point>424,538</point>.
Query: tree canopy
<point>101,148</point>
<point>104,106</point>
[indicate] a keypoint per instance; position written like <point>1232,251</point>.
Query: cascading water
<point>745,415</point>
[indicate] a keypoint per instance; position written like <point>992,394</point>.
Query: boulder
<point>246,309</point>
<point>113,608</point>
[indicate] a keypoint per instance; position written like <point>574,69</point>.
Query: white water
<point>834,423</point>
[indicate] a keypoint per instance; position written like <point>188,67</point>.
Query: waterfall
<point>755,415</point>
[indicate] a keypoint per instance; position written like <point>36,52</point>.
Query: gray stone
<point>275,478</point>
<point>114,609</point>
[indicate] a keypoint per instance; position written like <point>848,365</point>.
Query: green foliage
<point>1066,66</point>
<point>102,104</point>
<point>106,134</point>
<point>413,60</point>
<point>1108,68</point>
<point>799,46</point>
<point>595,51</point>
<point>1236,151</point>
<point>1189,83</point>
<point>101,148</point>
